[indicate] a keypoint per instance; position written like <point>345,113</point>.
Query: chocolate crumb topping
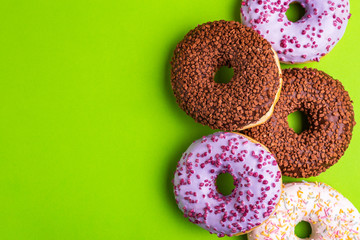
<point>247,97</point>
<point>331,119</point>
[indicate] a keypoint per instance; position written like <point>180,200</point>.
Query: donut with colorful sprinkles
<point>257,180</point>
<point>308,39</point>
<point>331,215</point>
<point>329,112</point>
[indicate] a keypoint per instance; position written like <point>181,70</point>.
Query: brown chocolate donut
<point>330,115</point>
<point>248,99</point>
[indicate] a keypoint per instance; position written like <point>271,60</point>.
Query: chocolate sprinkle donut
<point>331,120</point>
<point>248,99</point>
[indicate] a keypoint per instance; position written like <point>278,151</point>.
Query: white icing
<point>330,214</point>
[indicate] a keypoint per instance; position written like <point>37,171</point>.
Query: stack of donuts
<point>255,144</point>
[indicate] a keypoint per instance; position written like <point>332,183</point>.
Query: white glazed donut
<point>330,214</point>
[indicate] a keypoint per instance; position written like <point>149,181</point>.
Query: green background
<point>90,132</point>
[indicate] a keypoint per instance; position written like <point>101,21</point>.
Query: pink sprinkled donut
<point>308,39</point>
<point>257,180</point>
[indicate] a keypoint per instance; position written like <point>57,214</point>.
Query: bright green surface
<point>89,129</point>
<point>295,11</point>
<point>298,121</point>
<point>303,229</point>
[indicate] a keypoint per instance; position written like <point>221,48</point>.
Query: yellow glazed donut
<point>330,214</point>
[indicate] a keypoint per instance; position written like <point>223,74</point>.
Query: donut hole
<point>298,121</point>
<point>303,230</point>
<point>295,12</point>
<point>225,183</point>
<point>224,74</point>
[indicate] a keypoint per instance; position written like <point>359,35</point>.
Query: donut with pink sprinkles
<point>257,180</point>
<point>308,39</point>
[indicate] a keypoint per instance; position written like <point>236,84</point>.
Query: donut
<point>248,99</point>
<point>257,180</point>
<point>331,215</point>
<point>330,115</point>
<point>308,39</point>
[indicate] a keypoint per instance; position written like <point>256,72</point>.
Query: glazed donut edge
<point>266,117</point>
